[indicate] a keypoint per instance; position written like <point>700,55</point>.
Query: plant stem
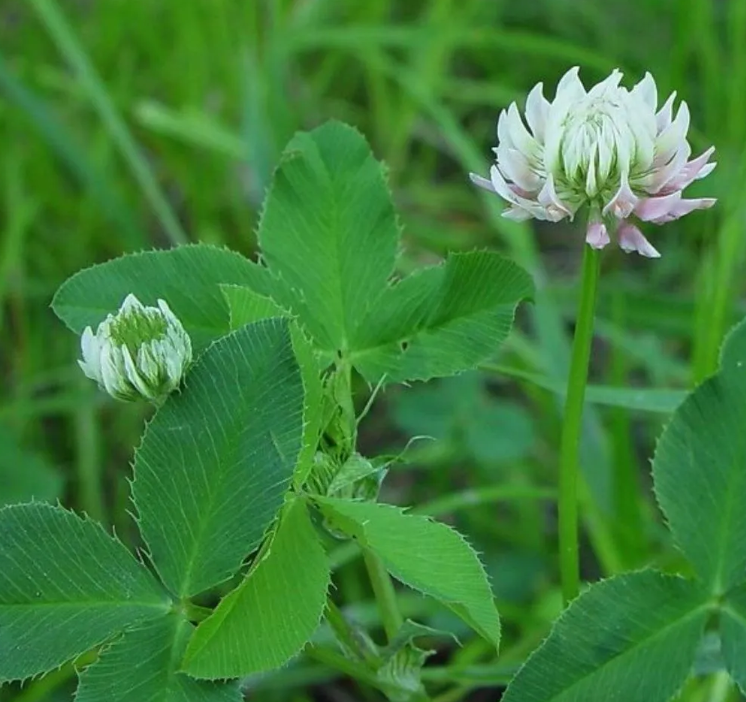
<point>571,429</point>
<point>383,589</point>
<point>355,670</point>
<point>344,632</point>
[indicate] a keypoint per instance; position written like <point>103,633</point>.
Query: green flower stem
<point>571,429</point>
<point>383,589</point>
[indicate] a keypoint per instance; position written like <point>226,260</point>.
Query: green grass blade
<point>69,46</point>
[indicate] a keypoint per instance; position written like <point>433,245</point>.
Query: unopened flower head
<point>140,352</point>
<point>607,151</point>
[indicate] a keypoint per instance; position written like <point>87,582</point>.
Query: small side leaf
<point>633,637</point>
<point>442,320</point>
<point>733,634</point>
<point>700,477</point>
<point>187,277</point>
<point>215,462</point>
<point>267,619</point>
<point>428,556</point>
<point>143,665</point>
<point>65,587</point>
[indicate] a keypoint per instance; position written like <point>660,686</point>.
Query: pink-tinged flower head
<point>608,151</point>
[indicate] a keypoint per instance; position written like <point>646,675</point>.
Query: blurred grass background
<point>133,124</point>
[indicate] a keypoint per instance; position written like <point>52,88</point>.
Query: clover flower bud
<point>140,352</point>
<point>606,151</point>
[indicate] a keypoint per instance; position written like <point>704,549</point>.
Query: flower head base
<point>606,150</point>
<point>141,352</point>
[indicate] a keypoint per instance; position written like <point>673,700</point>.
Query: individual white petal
<point>537,110</point>
<point>516,213</point>
<point>661,177</point>
<point>605,156</point>
<point>508,192</point>
<point>515,167</point>
<point>591,181</point>
<point>684,207</point>
<point>569,86</point>
<point>646,91</point>
<point>694,170</point>
<point>134,376</point>
<point>663,116</point>
<point>502,129</point>
<point>554,207</point>
<point>171,318</point>
<point>482,182</point>
<point>113,374</point>
<point>607,86</point>
<point>90,348</point>
<point>706,170</point>
<point>519,136</point>
<point>131,303</point>
<point>623,202</point>
<point>150,363</point>
<point>640,121</point>
<point>649,209</point>
<point>596,235</point>
<point>670,139</point>
<point>632,239</point>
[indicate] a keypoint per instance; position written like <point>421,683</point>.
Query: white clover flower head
<point>606,150</point>
<point>140,352</point>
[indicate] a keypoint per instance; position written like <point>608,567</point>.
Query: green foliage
<point>634,635</point>
<point>639,632</point>
<point>187,277</point>
<point>65,586</point>
<point>329,236</point>
<point>329,232</point>
<point>246,306</point>
<point>271,615</point>
<point>442,320</point>
<point>24,474</point>
<point>460,413</point>
<point>216,460</point>
<point>426,555</point>
<point>143,665</point>
<point>401,663</point>
<point>700,476</point>
<point>733,634</point>
<point>425,81</point>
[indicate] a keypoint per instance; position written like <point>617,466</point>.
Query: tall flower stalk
<point>572,422</point>
<point>611,155</point>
